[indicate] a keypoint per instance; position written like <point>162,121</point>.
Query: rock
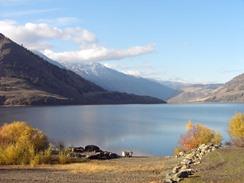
<point>97,155</point>
<point>184,167</point>
<point>76,155</point>
<point>77,149</point>
<point>106,155</point>
<point>91,152</point>
<point>211,144</point>
<point>186,162</point>
<point>181,153</point>
<point>196,163</point>
<point>190,156</point>
<point>183,170</point>
<point>91,148</point>
<point>201,146</point>
<point>102,155</point>
<point>168,181</point>
<point>113,155</point>
<point>176,169</point>
<point>175,178</point>
<point>217,146</point>
<point>184,173</point>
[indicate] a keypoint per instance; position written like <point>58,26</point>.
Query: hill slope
<point>194,93</point>
<point>222,166</point>
<point>27,79</point>
<point>232,91</point>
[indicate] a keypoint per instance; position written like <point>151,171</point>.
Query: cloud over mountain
<point>98,53</point>
<point>40,36</point>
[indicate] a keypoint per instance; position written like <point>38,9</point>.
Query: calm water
<point>144,129</point>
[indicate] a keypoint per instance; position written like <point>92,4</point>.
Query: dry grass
<point>222,166</point>
<point>133,170</point>
<point>118,165</point>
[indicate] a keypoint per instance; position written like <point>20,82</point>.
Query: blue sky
<point>186,40</point>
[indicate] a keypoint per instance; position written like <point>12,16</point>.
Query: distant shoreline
<point>204,103</point>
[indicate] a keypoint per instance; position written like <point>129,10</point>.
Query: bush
<point>63,157</point>
<point>20,143</point>
<point>42,158</point>
<point>196,135</point>
<point>236,129</point>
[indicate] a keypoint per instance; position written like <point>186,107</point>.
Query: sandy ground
<point>131,170</point>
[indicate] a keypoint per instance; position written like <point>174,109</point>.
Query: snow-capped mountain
<point>113,80</point>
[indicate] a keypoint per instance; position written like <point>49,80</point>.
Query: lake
<point>143,129</point>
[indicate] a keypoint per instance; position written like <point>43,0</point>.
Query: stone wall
<point>185,167</point>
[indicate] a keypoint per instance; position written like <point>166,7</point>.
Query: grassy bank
<point>221,166</point>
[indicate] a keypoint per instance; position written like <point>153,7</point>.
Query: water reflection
<point>145,129</point>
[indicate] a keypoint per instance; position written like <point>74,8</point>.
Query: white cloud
<point>98,53</point>
<point>39,36</point>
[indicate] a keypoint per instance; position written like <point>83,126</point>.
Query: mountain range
<point>113,80</point>
<point>173,92</point>
<point>229,92</point>
<point>28,79</point>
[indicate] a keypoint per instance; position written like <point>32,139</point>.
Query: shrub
<point>236,129</point>
<point>20,143</point>
<point>36,160</point>
<point>63,157</point>
<point>46,156</point>
<point>42,158</point>
<point>196,135</point>
<point>23,134</point>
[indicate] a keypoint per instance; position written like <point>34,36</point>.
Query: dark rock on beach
<point>92,152</point>
<point>90,148</point>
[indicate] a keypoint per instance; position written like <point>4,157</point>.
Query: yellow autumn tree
<point>198,134</point>
<point>236,129</point>
<point>20,143</point>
